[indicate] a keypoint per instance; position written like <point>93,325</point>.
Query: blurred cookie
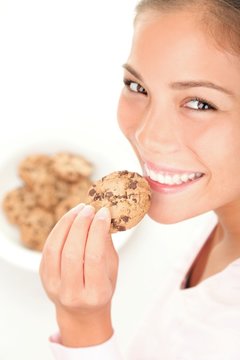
<point>52,186</point>
<point>78,193</point>
<point>71,167</point>
<point>62,189</point>
<point>36,228</point>
<point>18,203</point>
<point>126,194</point>
<point>81,187</point>
<point>45,195</point>
<point>36,169</point>
<point>67,204</point>
<point>49,195</point>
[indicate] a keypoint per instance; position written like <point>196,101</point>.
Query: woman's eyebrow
<point>182,85</point>
<point>130,69</point>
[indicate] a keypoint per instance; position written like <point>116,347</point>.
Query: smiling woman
<point>180,111</point>
<point>171,117</point>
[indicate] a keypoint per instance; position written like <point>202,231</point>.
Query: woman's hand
<point>79,271</point>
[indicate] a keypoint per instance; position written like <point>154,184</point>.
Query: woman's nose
<point>158,133</point>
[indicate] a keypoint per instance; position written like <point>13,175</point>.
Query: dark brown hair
<point>220,18</point>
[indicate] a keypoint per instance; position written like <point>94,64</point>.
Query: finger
<point>95,253</point>
<point>73,251</point>
<point>51,256</point>
<point>112,260</point>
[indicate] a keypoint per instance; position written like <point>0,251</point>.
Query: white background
<point>60,78</point>
<point>61,67</point>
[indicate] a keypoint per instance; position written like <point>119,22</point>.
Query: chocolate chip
<point>133,185</point>
<point>92,192</point>
<point>122,197</point>
<point>125,218</point>
<point>122,173</point>
<point>114,223</point>
<point>97,196</point>
<point>121,228</point>
<point>108,194</point>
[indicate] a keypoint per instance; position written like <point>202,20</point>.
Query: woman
<point>180,110</point>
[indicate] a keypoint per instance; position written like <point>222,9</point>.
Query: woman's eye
<point>200,104</point>
<point>135,87</point>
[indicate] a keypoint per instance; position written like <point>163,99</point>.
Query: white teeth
<point>192,176</point>
<point>161,178</point>
<point>176,179</point>
<point>168,180</point>
<point>184,177</point>
<point>153,175</point>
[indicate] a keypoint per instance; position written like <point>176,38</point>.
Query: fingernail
<point>77,208</point>
<point>103,214</point>
<point>87,210</point>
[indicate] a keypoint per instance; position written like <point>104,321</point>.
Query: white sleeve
<point>105,351</point>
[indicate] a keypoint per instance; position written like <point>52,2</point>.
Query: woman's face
<point>180,110</point>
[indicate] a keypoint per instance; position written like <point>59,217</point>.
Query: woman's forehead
<point>176,42</point>
<point>177,33</point>
<point>185,21</point>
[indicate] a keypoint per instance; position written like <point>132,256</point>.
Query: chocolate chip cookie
<point>36,227</point>
<point>36,169</point>
<point>18,203</point>
<point>48,195</point>
<point>126,194</point>
<point>67,204</point>
<point>71,167</point>
<point>52,185</point>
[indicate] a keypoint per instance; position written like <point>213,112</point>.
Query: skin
<point>79,263</point>
<point>79,271</point>
<point>166,127</point>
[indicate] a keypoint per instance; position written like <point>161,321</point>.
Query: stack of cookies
<point>51,186</point>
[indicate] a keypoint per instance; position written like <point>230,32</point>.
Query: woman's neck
<point>229,227</point>
<point>220,249</point>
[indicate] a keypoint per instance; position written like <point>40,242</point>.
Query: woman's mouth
<point>170,181</point>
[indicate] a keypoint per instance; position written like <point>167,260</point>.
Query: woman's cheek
<point>128,113</point>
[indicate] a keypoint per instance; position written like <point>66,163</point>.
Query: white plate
<point>11,249</point>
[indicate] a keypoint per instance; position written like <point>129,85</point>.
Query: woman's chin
<point>166,216</point>
<point>162,218</point>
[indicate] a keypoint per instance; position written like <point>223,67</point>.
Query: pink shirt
<point>199,323</point>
